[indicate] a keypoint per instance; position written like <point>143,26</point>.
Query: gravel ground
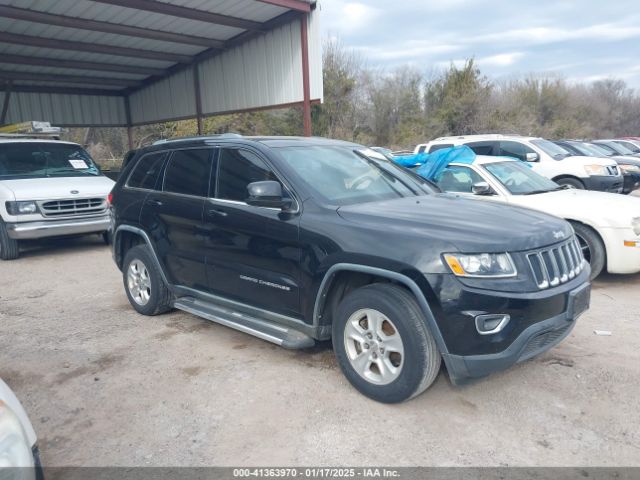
<point>105,386</point>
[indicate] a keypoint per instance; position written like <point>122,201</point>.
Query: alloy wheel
<point>374,346</point>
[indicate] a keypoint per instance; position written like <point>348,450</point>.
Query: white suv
<point>546,158</point>
<point>47,189</point>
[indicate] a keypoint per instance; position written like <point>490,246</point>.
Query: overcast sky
<point>581,40</point>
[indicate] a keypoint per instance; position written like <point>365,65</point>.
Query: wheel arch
<point>594,230</point>
<point>334,281</point>
<point>570,177</point>
<point>127,237</point>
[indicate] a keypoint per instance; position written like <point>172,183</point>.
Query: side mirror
<point>266,194</point>
<point>481,188</point>
<point>532,157</point>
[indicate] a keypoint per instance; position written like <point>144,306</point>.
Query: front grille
<point>538,343</point>
<point>558,264</point>
<point>613,170</point>
<point>73,207</point>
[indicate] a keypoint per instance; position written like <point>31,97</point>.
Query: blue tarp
<point>431,165</point>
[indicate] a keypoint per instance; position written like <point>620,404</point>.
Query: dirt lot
<point>105,386</point>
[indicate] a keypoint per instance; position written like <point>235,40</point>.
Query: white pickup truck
<point>49,188</point>
<point>545,157</point>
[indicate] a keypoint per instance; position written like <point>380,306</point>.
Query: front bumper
<point>631,182</point>
<point>536,338</point>
<point>58,228</point>
<point>604,183</point>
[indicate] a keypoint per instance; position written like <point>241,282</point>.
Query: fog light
<point>492,323</point>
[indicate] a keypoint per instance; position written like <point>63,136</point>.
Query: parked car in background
<point>545,157</point>
<point>295,240</point>
<point>49,188</point>
<point>628,144</point>
<point>607,225</point>
<point>634,140</point>
<point>615,147</point>
<point>628,165</point>
<point>18,440</point>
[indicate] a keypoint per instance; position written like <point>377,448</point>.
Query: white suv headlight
<point>495,265</point>
<point>595,170</point>
<point>635,224</point>
<point>22,208</point>
<point>15,450</point>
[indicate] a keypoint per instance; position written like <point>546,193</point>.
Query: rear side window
<point>434,148</point>
<point>145,174</point>
<point>515,150</point>
<point>482,148</point>
<point>422,149</point>
<point>188,172</point>
<point>238,168</point>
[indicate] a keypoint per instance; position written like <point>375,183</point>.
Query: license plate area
<point>579,301</point>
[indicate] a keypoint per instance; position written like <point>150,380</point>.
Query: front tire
<point>592,248</point>
<point>9,249</point>
<point>144,284</point>
<point>383,344</point>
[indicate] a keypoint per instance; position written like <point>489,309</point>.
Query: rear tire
<point>144,284</point>
<point>592,248</point>
<point>9,249</point>
<point>571,182</point>
<point>372,325</point>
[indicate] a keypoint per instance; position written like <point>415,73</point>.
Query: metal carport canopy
<point>123,63</point>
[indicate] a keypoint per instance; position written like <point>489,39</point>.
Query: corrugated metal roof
<point>262,71</point>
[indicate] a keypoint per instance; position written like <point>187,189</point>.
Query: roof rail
<point>195,137</point>
<point>50,136</point>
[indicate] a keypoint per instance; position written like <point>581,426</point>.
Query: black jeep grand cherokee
<point>295,240</point>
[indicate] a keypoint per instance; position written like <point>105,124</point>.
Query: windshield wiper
<point>535,192</point>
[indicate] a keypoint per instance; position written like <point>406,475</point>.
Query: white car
<point>607,225</point>
<point>49,188</point>
<point>546,158</point>
<point>18,441</point>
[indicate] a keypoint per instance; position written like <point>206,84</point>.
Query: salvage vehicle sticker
<point>78,164</point>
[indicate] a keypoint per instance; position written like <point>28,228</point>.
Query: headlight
<point>635,223</point>
<point>22,208</point>
<point>481,264</point>
<point>595,170</point>
<point>629,168</point>
<point>15,450</point>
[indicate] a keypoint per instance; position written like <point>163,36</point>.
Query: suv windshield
<point>519,179</point>
<point>344,176</point>
<point>44,159</point>
<point>551,149</point>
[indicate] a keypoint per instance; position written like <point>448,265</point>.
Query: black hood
<point>472,226</point>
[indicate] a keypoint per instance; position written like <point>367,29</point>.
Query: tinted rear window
<point>434,148</point>
<point>145,173</point>
<point>188,172</point>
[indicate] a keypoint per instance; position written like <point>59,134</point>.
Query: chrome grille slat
<point>556,265</point>
<point>73,207</point>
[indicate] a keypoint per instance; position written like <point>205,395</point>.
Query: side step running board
<point>280,335</point>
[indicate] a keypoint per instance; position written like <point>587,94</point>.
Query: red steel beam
<point>306,103</point>
<point>290,4</point>
<point>80,79</point>
<point>185,12</point>
<point>79,65</point>
<point>106,27</point>
<point>56,44</point>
